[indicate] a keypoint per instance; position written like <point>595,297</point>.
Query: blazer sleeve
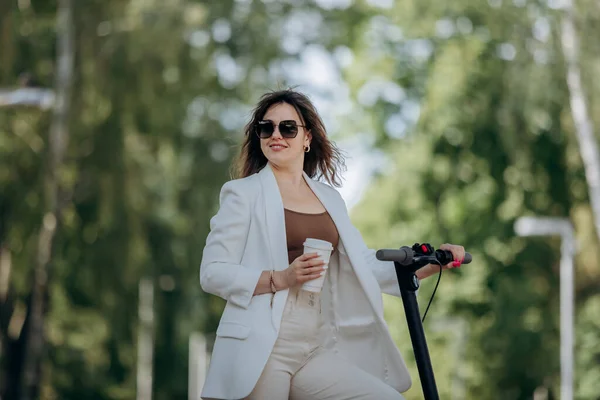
<point>384,271</point>
<point>221,273</point>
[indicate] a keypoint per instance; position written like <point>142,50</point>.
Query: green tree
<point>493,141</point>
<point>161,91</point>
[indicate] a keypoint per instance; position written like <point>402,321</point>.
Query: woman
<point>276,341</point>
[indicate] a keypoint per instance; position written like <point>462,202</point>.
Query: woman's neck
<point>288,176</point>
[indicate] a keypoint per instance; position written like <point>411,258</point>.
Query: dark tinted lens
<point>288,129</point>
<point>265,129</point>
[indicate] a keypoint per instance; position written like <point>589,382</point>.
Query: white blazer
<point>247,237</point>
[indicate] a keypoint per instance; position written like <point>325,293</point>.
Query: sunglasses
<point>288,129</point>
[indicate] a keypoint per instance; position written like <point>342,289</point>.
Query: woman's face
<point>281,151</point>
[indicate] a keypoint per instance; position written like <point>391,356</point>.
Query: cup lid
<point>318,244</point>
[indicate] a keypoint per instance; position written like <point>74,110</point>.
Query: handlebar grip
<point>403,255</point>
<point>445,256</point>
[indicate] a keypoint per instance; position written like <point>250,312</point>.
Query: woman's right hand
<point>303,269</point>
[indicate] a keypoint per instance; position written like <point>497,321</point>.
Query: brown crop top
<point>299,226</point>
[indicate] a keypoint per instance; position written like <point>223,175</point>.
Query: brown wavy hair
<point>324,160</point>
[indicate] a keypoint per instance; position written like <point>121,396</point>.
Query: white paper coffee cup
<point>324,249</point>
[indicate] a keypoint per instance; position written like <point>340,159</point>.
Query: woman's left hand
<point>458,253</point>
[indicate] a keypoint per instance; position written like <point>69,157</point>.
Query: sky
<point>361,165</point>
<point>317,74</point>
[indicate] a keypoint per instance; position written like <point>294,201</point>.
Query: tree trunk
<point>6,40</point>
<point>579,109</point>
<point>54,189</point>
<point>145,340</point>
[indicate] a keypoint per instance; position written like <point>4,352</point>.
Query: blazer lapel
<point>345,229</point>
<point>275,221</point>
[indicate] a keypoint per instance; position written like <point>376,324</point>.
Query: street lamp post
<point>545,226</point>
<point>41,98</point>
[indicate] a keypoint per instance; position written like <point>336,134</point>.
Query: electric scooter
<point>407,261</point>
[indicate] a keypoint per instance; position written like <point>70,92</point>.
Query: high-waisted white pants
<point>299,369</point>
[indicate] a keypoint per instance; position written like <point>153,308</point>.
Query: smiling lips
<point>277,146</point>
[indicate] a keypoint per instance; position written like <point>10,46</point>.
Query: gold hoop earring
<point>307,148</point>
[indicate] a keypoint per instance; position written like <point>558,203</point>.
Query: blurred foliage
<point>466,100</point>
<point>493,140</point>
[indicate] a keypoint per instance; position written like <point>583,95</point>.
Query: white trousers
<point>299,369</point>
